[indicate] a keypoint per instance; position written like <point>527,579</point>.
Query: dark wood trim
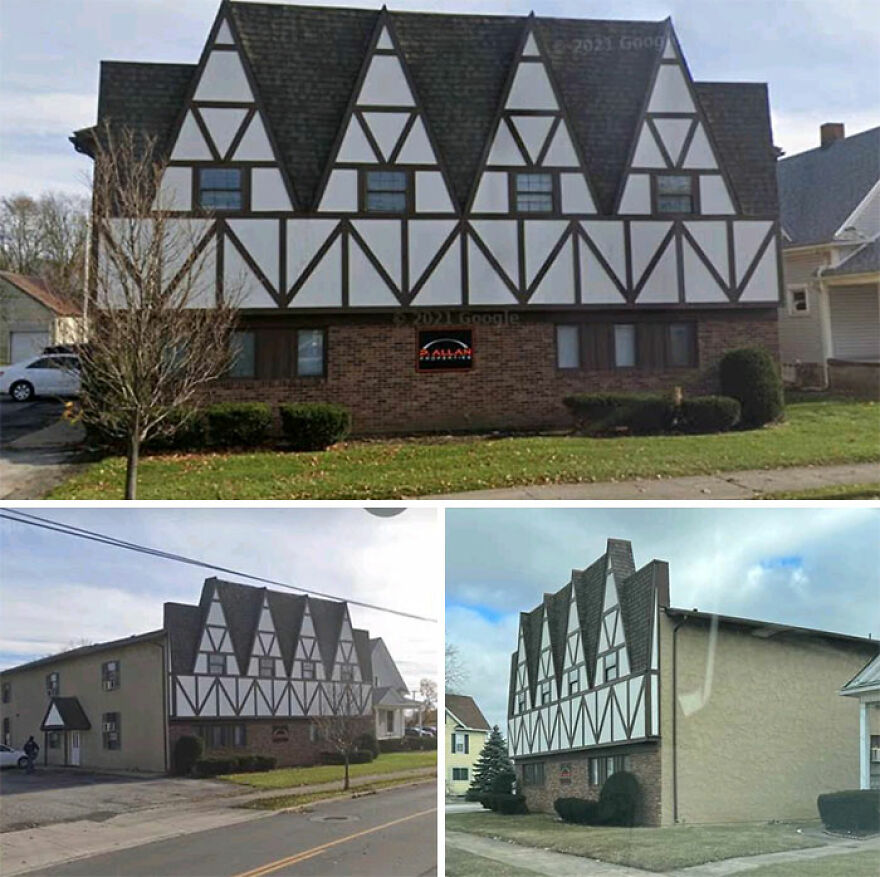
<point>649,122</point>
<point>239,135</point>
<point>686,145</point>
<point>679,259</point>
<point>377,265</point>
<point>345,272</point>
<point>365,129</point>
<point>701,255</point>
<point>276,296</point>
<point>576,237</point>
<point>404,134</point>
<point>313,263</point>
<point>435,261</point>
<point>548,262</point>
<point>514,133</point>
<point>496,265</point>
<point>206,136</point>
<point>551,134</point>
<point>606,266</point>
<point>652,264</point>
<point>759,254</point>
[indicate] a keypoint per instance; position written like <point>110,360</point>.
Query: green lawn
<point>282,802</point>
<point>864,864</point>
<point>462,864</point>
<point>291,777</point>
<point>822,431</point>
<point>654,849</point>
<point>838,491</point>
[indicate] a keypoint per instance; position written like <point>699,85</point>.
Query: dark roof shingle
<point>465,709</point>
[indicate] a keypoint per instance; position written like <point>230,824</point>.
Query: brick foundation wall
<point>514,382</point>
<point>644,763</point>
<point>297,751</point>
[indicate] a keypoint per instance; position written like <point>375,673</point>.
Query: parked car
<point>430,730</point>
<point>45,375</point>
<point>10,757</point>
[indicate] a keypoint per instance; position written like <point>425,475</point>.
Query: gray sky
<point>58,590</point>
<point>808,567</point>
<point>819,58</point>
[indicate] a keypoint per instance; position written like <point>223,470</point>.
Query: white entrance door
<point>74,748</point>
<point>24,345</point>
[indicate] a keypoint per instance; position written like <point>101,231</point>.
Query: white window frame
<point>789,299</point>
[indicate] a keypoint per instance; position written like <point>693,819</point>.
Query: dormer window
<point>216,665</point>
<point>611,666</point>
<point>267,667</point>
<point>386,191</point>
<point>308,671</point>
<point>534,193</point>
<point>346,674</point>
<point>521,706</point>
<point>221,188</point>
<point>674,194</point>
<point>545,693</point>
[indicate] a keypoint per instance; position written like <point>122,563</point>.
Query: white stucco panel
<point>504,150</point>
<point>241,281</point>
<point>712,240</point>
<point>647,152</point>
<point>385,84</point>
<point>533,131</point>
<point>747,239</point>
<point>304,239</point>
<point>268,191</point>
<point>541,235</point>
<point>417,147</point>
<point>700,155</point>
<point>260,239</point>
<point>384,41</point>
<point>636,195</point>
<point>355,147</point>
<point>670,94</point>
<point>661,286</point>
<point>224,35</point>
<point>561,152</point>
<point>223,124</point>
<point>432,195</point>
<point>383,237</point>
<point>576,197</point>
<point>386,129</point>
<point>175,190</point>
<point>492,195</point>
<point>531,89</point>
<point>673,132</point>
<point>322,289</point>
<point>501,239</point>
<point>764,283</point>
<point>485,285</point>
<point>255,146</point>
<point>341,192</point>
<point>530,49</point>
<point>557,285</point>
<point>645,238</point>
<point>190,144</point>
<point>699,284</point>
<point>609,240</point>
<point>714,197</point>
<point>426,236</point>
<point>223,79</point>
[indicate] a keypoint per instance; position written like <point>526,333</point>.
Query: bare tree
<point>159,333</point>
<point>428,692</point>
<point>340,729</point>
<point>456,674</point>
<point>21,235</point>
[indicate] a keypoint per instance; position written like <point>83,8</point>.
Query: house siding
<point>855,321</point>
<point>476,742</point>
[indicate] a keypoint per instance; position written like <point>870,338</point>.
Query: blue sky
<point>820,60</point>
<point>58,591</point>
<point>808,567</point>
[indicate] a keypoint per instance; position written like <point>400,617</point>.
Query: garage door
<point>855,322</point>
<point>24,345</point>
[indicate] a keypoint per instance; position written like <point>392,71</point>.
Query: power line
<point>114,542</point>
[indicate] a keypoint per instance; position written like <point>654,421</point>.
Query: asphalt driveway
<point>18,419</point>
<point>59,795</point>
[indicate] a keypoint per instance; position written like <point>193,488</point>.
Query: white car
<point>50,374</point>
<point>10,757</point>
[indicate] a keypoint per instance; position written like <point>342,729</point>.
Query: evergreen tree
<point>493,771</point>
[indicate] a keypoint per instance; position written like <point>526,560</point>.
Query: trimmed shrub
<point>637,413</point>
<point>264,762</point>
<point>853,810</point>
<point>749,375</point>
<point>620,799</point>
<point>709,413</point>
<point>247,764</point>
<point>238,424</point>
<point>212,767</point>
<point>187,751</point>
<point>190,432</point>
<point>314,426</point>
<point>368,742</point>
<point>577,810</point>
<point>508,804</point>
<point>357,756</point>
<point>393,745</point>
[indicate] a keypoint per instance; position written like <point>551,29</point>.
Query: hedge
<point>368,741</point>
<point>508,804</point>
<point>619,803</point>
<point>238,424</point>
<point>314,426</point>
<point>216,766</point>
<point>709,413</point>
<point>187,751</point>
<point>638,413</point>
<point>852,810</point>
<point>357,756</point>
<point>577,810</point>
<point>749,375</point>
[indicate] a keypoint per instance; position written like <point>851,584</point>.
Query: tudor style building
<point>455,220</point>
<point>246,669</point>
<point>721,719</point>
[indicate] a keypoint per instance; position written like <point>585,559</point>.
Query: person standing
<point>31,750</point>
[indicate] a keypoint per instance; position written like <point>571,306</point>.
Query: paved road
<point>392,834</point>
<point>17,419</point>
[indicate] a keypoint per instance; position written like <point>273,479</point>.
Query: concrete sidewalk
<point>747,484</point>
<point>35,849</point>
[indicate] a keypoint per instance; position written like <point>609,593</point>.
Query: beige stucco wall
<point>138,700</point>
<point>800,335</point>
<point>766,730</point>
<point>476,742</point>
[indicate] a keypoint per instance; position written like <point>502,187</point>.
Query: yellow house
<point>466,734</point>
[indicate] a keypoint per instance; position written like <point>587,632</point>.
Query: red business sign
<point>445,349</point>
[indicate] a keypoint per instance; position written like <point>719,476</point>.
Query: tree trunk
<point>134,450</point>
<point>345,783</point>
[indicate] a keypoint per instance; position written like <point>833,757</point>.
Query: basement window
<point>220,188</point>
<point>534,193</point>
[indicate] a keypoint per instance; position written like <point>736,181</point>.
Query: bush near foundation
<point>619,803</point>
<point>852,810</point>
<point>218,765</point>
<point>358,756</point>
<point>506,804</point>
<point>749,375</point>
<point>238,424</point>
<point>637,413</point>
<point>368,741</point>
<point>393,745</point>
<point>187,751</point>
<point>709,414</point>
<point>314,426</point>
<point>580,811</point>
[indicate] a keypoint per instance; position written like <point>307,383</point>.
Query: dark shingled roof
<point>636,610</point>
<point>590,590</point>
<point>242,605</point>
<point>364,654</point>
<point>865,260</point>
<point>72,715</point>
<point>466,711</point>
<point>306,61</point>
<point>184,624</point>
<point>287,615</point>
<point>820,188</point>
<point>327,617</point>
<point>557,615</point>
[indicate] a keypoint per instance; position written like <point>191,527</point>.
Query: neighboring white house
<point>829,321</point>
<point>865,685</point>
<point>390,695</point>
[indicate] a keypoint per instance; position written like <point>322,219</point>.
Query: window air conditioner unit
<point>875,756</point>
<point>109,685</point>
<point>108,726</point>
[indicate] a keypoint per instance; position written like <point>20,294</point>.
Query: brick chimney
<point>831,131</point>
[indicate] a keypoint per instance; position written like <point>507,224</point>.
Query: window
<point>267,667</point>
<point>346,674</point>
<point>798,302</point>
<point>625,345</point>
<point>389,721</point>
<point>533,774</point>
<point>217,665</point>
<point>573,683</point>
<point>220,188</point>
<point>110,678</point>
<point>461,743</point>
<point>308,671</point>
<point>314,734</point>
<point>7,732</point>
<point>7,692</point>
<point>460,774</point>
<point>54,740</point>
<point>386,191</point>
<point>521,706</point>
<point>674,194</point>
<point>545,692</point>
<point>110,731</point>
<point>223,736</point>
<point>244,355</point>
<point>567,347</point>
<point>46,362</point>
<point>53,685</point>
<point>682,349</point>
<point>602,768</point>
<point>611,666</point>
<point>310,352</point>
<point>534,193</point>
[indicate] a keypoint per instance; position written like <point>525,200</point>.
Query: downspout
<point>675,719</point>
<point>165,729</point>
<point>825,324</point>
